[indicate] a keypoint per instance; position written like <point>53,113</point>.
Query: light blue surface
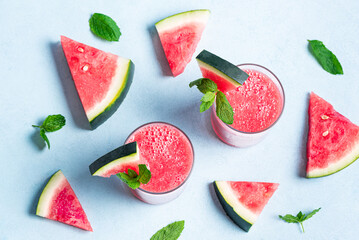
<point>36,82</point>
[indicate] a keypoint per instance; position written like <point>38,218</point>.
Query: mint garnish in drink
<point>224,110</point>
<point>134,180</point>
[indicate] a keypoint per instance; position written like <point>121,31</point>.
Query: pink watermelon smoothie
<point>167,152</point>
<point>257,106</point>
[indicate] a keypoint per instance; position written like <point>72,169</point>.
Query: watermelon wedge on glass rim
<point>58,202</point>
<point>118,160</point>
<point>226,75</point>
<point>102,79</point>
<point>243,202</point>
<point>179,35</point>
<point>333,140</point>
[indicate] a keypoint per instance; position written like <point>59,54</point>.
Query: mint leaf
<point>325,57</point>
<point>104,27</point>
<point>131,173</point>
<point>131,182</point>
<point>43,135</point>
<point>205,106</point>
<point>300,218</point>
<point>170,232</point>
<point>144,173</point>
<point>289,218</point>
<point>309,215</point>
<point>134,184</point>
<point>208,97</point>
<point>195,82</point>
<point>204,85</point>
<point>125,177</point>
<point>207,101</point>
<point>54,122</point>
<point>134,180</point>
<point>224,110</point>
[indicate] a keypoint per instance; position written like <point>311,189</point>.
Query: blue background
<point>36,82</point>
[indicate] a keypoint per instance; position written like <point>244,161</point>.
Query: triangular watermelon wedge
<point>102,79</point>
<point>179,35</point>
<point>244,201</point>
<point>58,202</point>
<point>333,140</point>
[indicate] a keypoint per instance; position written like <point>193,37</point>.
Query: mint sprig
<point>51,124</point>
<point>104,27</point>
<point>224,110</point>
<point>170,232</point>
<point>134,180</point>
<point>325,57</point>
<point>300,218</point>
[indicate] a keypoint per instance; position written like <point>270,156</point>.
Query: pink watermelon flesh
<point>223,84</point>
<point>333,140</point>
<point>122,168</point>
<point>179,45</point>
<point>253,195</point>
<point>180,39</point>
<point>64,206</point>
<point>92,71</point>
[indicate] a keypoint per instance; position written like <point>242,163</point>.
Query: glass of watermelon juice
<point>168,153</point>
<point>257,106</point>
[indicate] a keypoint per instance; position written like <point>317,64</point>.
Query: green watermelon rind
<point>236,211</point>
<point>43,205</point>
<point>222,67</point>
<point>104,114</point>
<point>336,167</point>
<point>128,153</point>
<point>179,19</point>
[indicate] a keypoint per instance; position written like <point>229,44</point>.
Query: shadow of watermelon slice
<point>160,54</point>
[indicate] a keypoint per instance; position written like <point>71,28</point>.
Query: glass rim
<point>190,171</point>
<point>281,89</point>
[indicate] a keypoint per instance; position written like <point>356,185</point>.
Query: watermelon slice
<point>118,160</point>
<point>226,75</point>
<point>244,201</point>
<point>179,35</point>
<point>58,202</point>
<point>333,140</point>
<point>102,79</point>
